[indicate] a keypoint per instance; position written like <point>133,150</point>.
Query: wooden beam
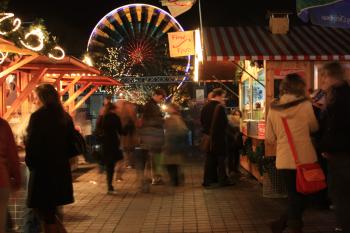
<point>70,85</point>
<point>24,94</point>
<point>76,94</point>
<point>15,66</point>
<point>92,91</point>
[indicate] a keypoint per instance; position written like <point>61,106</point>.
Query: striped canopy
<point>257,43</point>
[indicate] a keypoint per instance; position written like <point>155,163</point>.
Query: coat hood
<point>288,104</point>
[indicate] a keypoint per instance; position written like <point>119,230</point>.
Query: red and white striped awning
<point>257,43</point>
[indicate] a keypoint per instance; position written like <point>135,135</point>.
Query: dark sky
<point>72,21</point>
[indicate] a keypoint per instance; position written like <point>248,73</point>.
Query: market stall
<point>265,58</point>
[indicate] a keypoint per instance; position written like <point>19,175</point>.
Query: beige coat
<point>301,120</point>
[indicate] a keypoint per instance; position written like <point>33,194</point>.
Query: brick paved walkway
<point>240,208</point>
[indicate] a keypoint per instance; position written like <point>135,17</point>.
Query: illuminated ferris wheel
<point>139,32</point>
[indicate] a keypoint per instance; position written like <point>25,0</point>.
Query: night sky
<point>72,21</point>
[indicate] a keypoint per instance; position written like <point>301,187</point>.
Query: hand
<point>326,155</point>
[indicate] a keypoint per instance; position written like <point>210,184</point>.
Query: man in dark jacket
<point>335,139</point>
<point>214,122</point>
<point>152,135</point>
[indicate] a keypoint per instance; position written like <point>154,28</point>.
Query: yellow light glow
<point>3,57</point>
<point>16,22</point>
<point>87,60</point>
<point>199,55</point>
<point>57,57</point>
<point>164,107</point>
<point>40,37</point>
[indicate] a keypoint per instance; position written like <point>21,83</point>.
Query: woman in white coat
<point>297,109</point>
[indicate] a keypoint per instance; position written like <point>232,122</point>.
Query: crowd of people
<point>153,141</point>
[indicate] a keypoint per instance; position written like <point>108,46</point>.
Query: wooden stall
<point>21,73</point>
<point>265,59</point>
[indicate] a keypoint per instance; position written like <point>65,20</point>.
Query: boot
<point>278,226</point>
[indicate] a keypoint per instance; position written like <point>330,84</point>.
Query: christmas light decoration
<point>38,33</point>
<point>16,23</point>
<point>3,57</point>
<point>60,50</point>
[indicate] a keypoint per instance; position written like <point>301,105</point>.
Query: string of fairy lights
<point>34,38</point>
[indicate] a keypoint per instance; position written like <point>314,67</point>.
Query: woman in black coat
<point>48,150</point>
<point>335,139</point>
<point>111,131</point>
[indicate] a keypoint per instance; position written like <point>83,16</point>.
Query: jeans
<point>143,163</point>
<point>296,201</point>
<point>31,222</point>
<point>4,197</point>
<point>339,165</point>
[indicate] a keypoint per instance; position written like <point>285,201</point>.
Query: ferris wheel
<point>139,33</point>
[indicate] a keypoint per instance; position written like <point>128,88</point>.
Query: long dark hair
<point>50,98</point>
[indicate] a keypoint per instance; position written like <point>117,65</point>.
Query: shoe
<point>110,188</point>
<point>338,229</point>
<point>145,188</point>
<point>157,181</point>
<point>279,225</point>
<point>120,180</point>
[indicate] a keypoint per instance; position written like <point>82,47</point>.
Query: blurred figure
<point>214,121</point>
<point>98,130</point>
<point>10,176</point>
<point>235,142</point>
<point>110,140</point>
<point>152,137</point>
<point>49,147</point>
<point>334,144</point>
<point>296,108</point>
<point>175,144</point>
<point>127,113</point>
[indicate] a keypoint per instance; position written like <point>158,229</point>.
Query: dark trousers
<point>210,169</point>
<point>339,165</point>
<point>222,175</point>
<point>233,161</point>
<point>296,201</point>
<point>214,169</point>
<point>174,174</point>
<point>110,172</point>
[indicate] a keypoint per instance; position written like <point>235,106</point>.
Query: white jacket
<point>302,122</point>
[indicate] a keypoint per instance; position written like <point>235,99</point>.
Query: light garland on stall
<point>36,32</point>
<point>58,48</point>
<point>16,22</point>
<point>3,57</point>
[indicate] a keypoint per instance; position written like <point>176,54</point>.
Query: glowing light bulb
<point>87,60</point>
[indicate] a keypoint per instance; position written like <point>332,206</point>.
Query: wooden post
<point>76,94</point>
<point>70,85</point>
<point>92,91</point>
<point>25,93</point>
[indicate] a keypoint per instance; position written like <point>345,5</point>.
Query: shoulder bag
<point>309,177</point>
<point>206,141</point>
